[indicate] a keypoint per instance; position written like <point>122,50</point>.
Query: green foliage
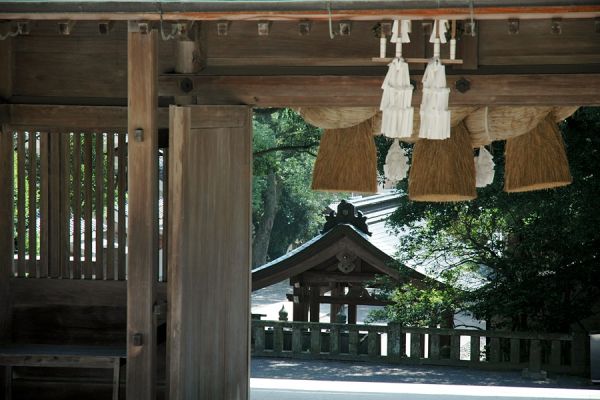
<point>421,306</point>
<point>539,250</point>
<point>284,144</point>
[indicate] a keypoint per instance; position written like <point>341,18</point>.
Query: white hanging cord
<point>453,41</point>
<point>331,34</point>
<point>382,45</point>
<point>163,35</point>
<point>10,34</point>
<point>472,14</point>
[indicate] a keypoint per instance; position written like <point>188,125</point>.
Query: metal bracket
<point>556,26</point>
<point>264,28</point>
<point>223,28</point>
<point>105,27</point>
<point>345,28</point>
<point>513,26</point>
<point>137,339</point>
<point>462,85</point>
<point>138,134</point>
<point>304,28</point>
<point>65,27</point>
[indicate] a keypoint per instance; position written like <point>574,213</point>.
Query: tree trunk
<point>260,245</point>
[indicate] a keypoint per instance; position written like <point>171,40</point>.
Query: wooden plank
<point>82,117</point>
<point>334,340</point>
<point>21,228</point>
<point>54,215</point>
<point>535,356</point>
<point>6,234</point>
<point>372,348</point>
<point>65,206</point>
<point>72,292</point>
<point>353,340</point>
<point>32,206</point>
<point>110,208</point>
<point>6,69</point>
<point>278,340</point>
<point>291,11</point>
<point>121,208</point>
<point>142,257</point>
<point>259,340</point>
<point>468,50</point>
<point>209,221</point>
<point>296,340</point>
<point>99,267</point>
<point>77,270</point>
<point>88,270</point>
<point>298,90</point>
<point>44,204</point>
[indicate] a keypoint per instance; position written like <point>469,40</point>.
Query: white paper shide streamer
<point>484,168</point>
<point>397,118</point>
<point>435,117</point>
<point>396,163</point>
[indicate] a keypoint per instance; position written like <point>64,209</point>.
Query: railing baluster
<point>315,339</point>
<point>277,340</point>
<point>393,342</point>
<point>555,353</point>
<point>334,340</point>
<point>259,340</point>
<point>515,351</point>
<point>297,339</point>
<point>372,343</point>
<point>475,349</point>
<point>495,350</point>
<point>415,345</point>
<point>353,340</point>
<point>455,347</point>
<point>434,346</point>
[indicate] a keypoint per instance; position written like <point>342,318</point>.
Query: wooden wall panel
<point>209,257</point>
<point>535,44</point>
<point>83,64</point>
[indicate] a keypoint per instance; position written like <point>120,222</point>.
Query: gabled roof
<point>323,247</point>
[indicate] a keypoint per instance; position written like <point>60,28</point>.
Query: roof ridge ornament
<point>346,215</point>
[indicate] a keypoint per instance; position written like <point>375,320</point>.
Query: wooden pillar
<point>352,313</point>
<point>142,229</point>
<point>300,311</point>
<point>209,252</point>
<point>334,309</point>
<point>6,229</point>
<point>315,306</point>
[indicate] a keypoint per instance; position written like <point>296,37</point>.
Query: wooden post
<point>142,230</point>
<point>315,306</point>
<point>6,229</point>
<point>209,253</point>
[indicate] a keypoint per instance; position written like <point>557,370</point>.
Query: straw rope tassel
<point>397,119</point>
<point>396,163</point>
<point>435,117</point>
<point>484,168</point>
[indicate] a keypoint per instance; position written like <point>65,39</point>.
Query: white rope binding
<point>396,101</point>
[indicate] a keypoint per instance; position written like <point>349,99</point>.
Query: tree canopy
<point>538,250</point>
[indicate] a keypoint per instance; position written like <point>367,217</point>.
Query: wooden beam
<point>142,230</point>
<point>6,68</point>
<point>42,116</point>
<point>72,292</point>
<point>286,11</point>
<point>209,252</point>
<point>361,91</point>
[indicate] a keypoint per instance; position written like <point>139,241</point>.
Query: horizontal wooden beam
<point>72,292</point>
<point>314,10</point>
<point>348,91</point>
<point>42,116</point>
<point>351,301</point>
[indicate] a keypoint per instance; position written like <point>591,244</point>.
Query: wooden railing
<point>428,346</point>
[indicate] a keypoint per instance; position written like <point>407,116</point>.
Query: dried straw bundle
<point>347,160</point>
<point>503,122</point>
<point>443,170</point>
<point>536,160</point>
<point>336,117</point>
